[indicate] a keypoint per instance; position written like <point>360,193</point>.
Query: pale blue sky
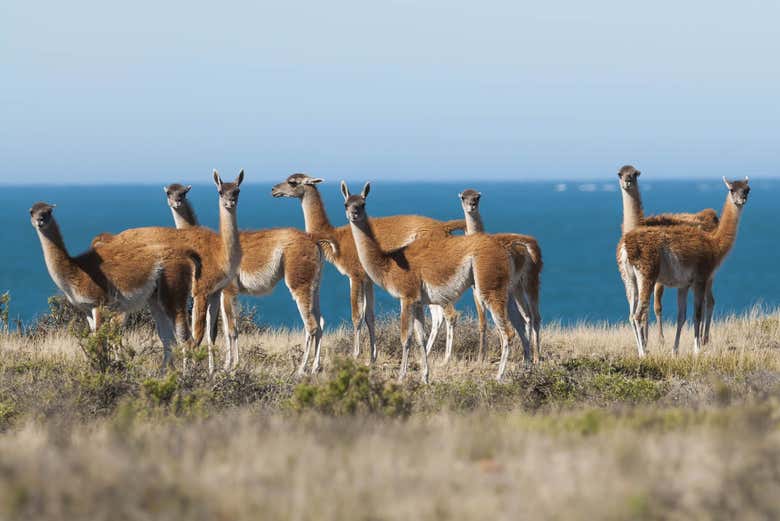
<point>158,91</point>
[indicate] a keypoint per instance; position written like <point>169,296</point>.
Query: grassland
<point>591,433</point>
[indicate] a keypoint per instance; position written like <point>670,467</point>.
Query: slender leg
<point>645,284</point>
<point>406,333</point>
<point>682,309</point>
<point>658,307</point>
<point>212,311</point>
<point>368,309</point>
<point>450,318</point>
<point>708,317</point>
<point>311,325</point>
<point>482,325</point>
<point>164,330</point>
<point>699,289</point>
<point>317,314</point>
<point>419,327</point>
<point>532,294</point>
<point>357,302</point>
<point>520,324</point>
<point>497,304</point>
<point>227,304</point>
<point>632,293</point>
<point>437,317</point>
<point>524,325</point>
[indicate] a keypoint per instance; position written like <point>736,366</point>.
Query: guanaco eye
<point>292,183</point>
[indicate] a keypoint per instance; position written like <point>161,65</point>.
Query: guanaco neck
<point>58,261</point>
<point>726,232</point>
<point>314,215</point>
<point>228,231</point>
<point>474,223</point>
<point>633,214</point>
<point>372,257</point>
<point>184,216</point>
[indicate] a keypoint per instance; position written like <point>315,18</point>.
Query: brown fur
<point>122,277</point>
<point>652,254</point>
<point>220,254</point>
<point>528,257</point>
<point>288,253</point>
<point>633,216</point>
<point>393,232</point>
<point>434,269</point>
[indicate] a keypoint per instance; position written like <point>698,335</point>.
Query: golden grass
<point>593,433</point>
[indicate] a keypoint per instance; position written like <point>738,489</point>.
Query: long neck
<point>314,215</point>
<point>726,233</point>
<point>474,223</point>
<point>374,260</point>
<point>633,214</point>
<point>228,231</point>
<point>184,216</point>
<point>58,261</point>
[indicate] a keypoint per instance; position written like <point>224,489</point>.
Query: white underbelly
<point>452,289</point>
<point>262,281</point>
<point>129,300</point>
<point>673,273</point>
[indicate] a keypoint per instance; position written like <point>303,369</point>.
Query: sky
<point>149,92</point>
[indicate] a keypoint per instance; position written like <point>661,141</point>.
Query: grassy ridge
<point>593,432</point>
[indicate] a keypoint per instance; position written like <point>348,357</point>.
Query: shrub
<point>352,390</point>
<point>5,300</point>
<point>104,349</point>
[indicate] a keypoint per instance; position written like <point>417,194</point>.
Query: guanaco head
<point>176,194</point>
<point>469,200</point>
<point>228,192</point>
<point>738,191</point>
<point>355,205</point>
<point>295,186</point>
<point>41,215</point>
<point>628,176</point>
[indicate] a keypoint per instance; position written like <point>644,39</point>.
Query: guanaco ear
<point>187,188</point>
<point>217,179</point>
<point>460,195</point>
<point>747,179</point>
<point>728,185</point>
<point>344,190</point>
<point>165,189</point>
<point>240,177</point>
<point>638,173</point>
<point>366,189</point>
<point>313,181</point>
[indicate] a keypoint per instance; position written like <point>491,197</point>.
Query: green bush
<point>5,301</point>
<point>350,391</point>
<point>105,348</point>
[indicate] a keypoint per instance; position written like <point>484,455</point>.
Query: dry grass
<point>593,433</point>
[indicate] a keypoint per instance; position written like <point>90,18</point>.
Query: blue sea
<point>577,225</point>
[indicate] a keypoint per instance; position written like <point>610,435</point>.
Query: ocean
<point>577,224</point>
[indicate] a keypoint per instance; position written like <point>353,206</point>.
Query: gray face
<point>628,176</point>
<point>355,205</point>
<point>294,186</point>
<point>355,208</point>
<point>176,194</point>
<point>469,200</point>
<point>228,192</point>
<point>738,191</point>
<point>41,215</point>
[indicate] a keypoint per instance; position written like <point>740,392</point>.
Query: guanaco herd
<point>418,260</point>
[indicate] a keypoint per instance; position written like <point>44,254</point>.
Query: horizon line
<point>583,180</point>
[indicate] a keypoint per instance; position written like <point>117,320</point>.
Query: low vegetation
<point>90,429</point>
